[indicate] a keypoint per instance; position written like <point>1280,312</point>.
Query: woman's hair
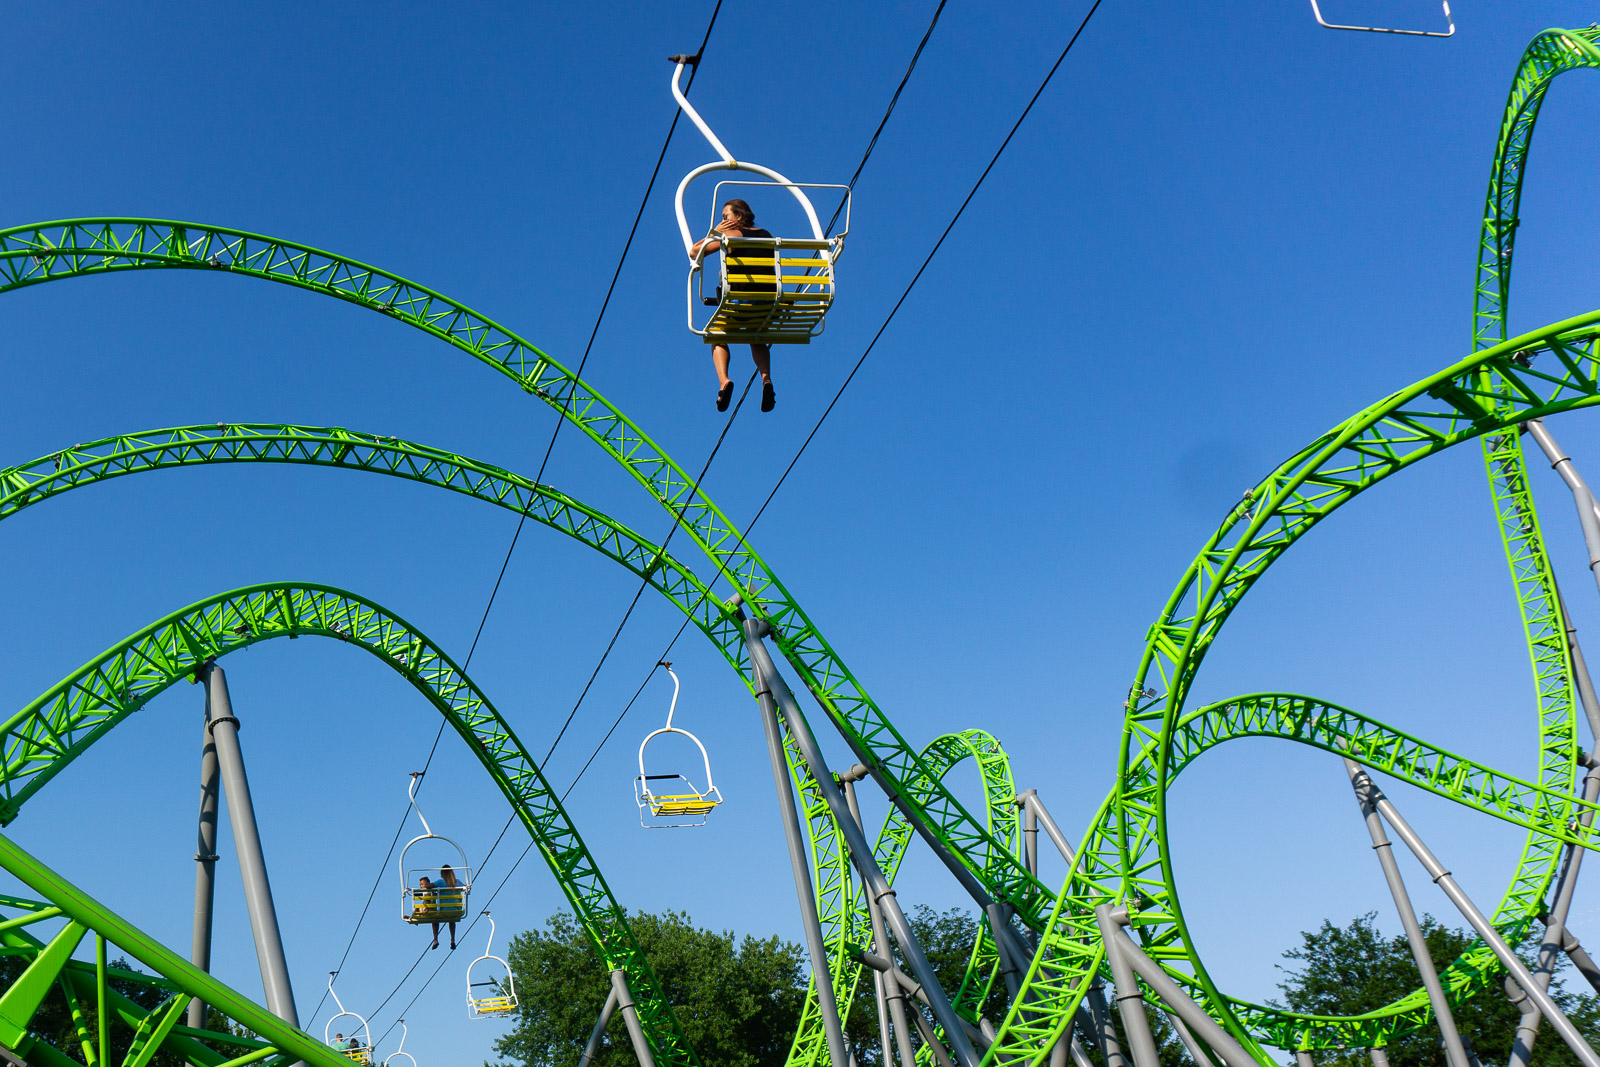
<point>448,875</point>
<point>742,212</point>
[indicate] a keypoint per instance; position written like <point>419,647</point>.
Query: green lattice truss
<point>1124,854</point>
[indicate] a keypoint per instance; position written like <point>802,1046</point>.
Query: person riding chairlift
<point>739,221</point>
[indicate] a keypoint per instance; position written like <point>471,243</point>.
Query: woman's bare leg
<point>762,356</point>
<point>719,359</point>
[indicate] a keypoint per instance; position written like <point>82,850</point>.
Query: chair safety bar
<point>1315,10</point>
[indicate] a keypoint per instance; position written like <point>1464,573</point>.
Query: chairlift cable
<point>916,277</point>
<point>645,584</point>
<point>853,179</point>
<point>893,100</point>
<point>523,517</point>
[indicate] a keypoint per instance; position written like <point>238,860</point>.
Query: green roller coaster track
<point>1124,856</point>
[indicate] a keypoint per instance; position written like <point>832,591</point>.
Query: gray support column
<point>1197,1051</point>
<point>1105,1032</point>
<point>1555,926</point>
<point>592,1049</point>
<point>1491,937</point>
<point>1380,1056</point>
<point>930,1039</point>
<point>1302,1058</point>
<point>205,858</point>
<point>1455,1053</point>
<point>1208,1029</point>
<point>1010,967</point>
<point>1051,830</point>
<point>914,988</point>
<point>860,850</point>
<point>247,843</point>
<point>827,1003</point>
<point>1582,498</point>
<point>1580,959</point>
<point>849,779</point>
<point>1130,1003</point>
<point>1030,831</point>
<point>630,1016</point>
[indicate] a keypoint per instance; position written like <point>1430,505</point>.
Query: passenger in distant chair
<point>447,880</point>
<point>739,221</point>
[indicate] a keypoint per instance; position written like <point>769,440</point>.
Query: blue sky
<point>1221,230</point>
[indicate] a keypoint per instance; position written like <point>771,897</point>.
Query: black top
<point>763,264</point>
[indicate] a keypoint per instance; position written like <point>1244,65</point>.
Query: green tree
<point>1353,969</point>
<point>739,1002</point>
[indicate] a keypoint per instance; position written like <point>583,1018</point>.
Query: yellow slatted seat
<point>760,302</point>
<point>494,1005</point>
<point>361,1055</point>
<point>438,905</point>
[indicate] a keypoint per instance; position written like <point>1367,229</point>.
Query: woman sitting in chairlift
<point>447,880</point>
<point>739,221</point>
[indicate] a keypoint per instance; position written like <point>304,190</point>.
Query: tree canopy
<point>1353,969</point>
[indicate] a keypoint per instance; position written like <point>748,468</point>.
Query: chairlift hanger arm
<point>1315,10</point>
<point>727,162</point>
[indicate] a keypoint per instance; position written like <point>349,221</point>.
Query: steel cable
<point>522,518</point>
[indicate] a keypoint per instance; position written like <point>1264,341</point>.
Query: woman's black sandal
<point>724,395</point>
<point>769,398</point>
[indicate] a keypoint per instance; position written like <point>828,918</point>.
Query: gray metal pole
<point>1010,968</point>
<point>1208,1029</point>
<point>910,985</point>
<point>827,1004</point>
<point>247,843</point>
<point>1580,959</point>
<point>1051,830</point>
<point>1555,926</point>
<point>592,1049</point>
<point>1491,937</point>
<point>1197,1051</point>
<point>860,850</point>
<point>205,858</point>
<point>1030,831</point>
<point>931,1039</point>
<point>1455,1052</point>
<point>1582,498</point>
<point>1302,1058</point>
<point>1380,1056</point>
<point>1130,1003</point>
<point>1580,670</point>
<point>849,779</point>
<point>630,1016</point>
<point>1105,1031</point>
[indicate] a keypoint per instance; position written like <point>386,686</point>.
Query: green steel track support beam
<point>85,464</point>
<point>1124,857</point>
<point>35,254</point>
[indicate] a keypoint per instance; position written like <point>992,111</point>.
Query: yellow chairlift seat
<point>362,1054</point>
<point>774,290</point>
<point>490,972</point>
<point>768,297</point>
<point>681,802</point>
<point>446,905</point>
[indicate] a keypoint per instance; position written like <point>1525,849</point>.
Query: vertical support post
<point>1169,992</point>
<point>247,842</point>
<point>592,1049</point>
<point>630,1016</point>
<point>1197,1051</point>
<point>1105,1031</point>
<point>1010,967</point>
<point>1030,831</point>
<point>1130,1003</point>
<point>1582,498</point>
<point>849,779</point>
<point>827,1003</point>
<point>1491,937</point>
<point>102,1009</point>
<point>860,850</point>
<point>1580,959</point>
<point>205,858</point>
<point>1380,1056</point>
<point>1555,924</point>
<point>1455,1052</point>
<point>1302,1058</point>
